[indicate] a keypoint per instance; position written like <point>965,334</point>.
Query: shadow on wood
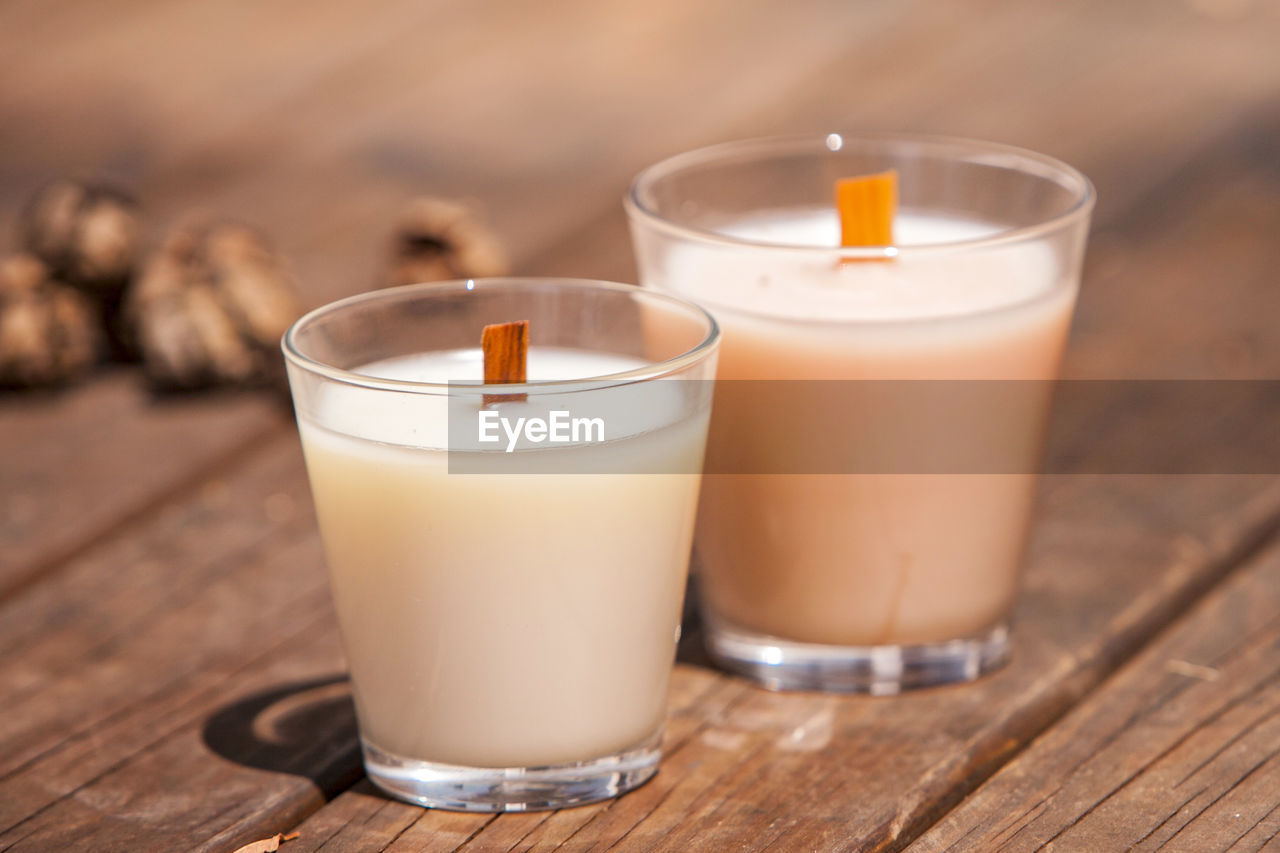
<point>305,728</point>
<point>691,649</point>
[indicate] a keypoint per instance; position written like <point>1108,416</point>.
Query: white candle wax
<point>502,620</point>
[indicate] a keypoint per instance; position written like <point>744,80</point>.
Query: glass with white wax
<point>507,561</point>
<point>894,562</point>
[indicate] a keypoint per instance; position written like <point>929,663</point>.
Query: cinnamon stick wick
<point>506,356</point>
<point>867,205</point>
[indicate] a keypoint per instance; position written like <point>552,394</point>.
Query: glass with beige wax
<point>891,568</point>
<point>509,597</point>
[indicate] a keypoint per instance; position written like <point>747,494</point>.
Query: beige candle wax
<point>868,559</point>
<point>502,620</point>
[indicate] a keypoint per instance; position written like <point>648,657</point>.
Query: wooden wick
<point>867,205</point>
<point>506,357</point>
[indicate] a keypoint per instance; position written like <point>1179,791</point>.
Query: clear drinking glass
<point>848,578</point>
<point>509,610</point>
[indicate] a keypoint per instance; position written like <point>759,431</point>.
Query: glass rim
<point>1020,159</point>
<point>294,355</point>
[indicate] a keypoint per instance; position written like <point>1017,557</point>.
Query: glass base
<point>511,789</point>
<point>780,664</point>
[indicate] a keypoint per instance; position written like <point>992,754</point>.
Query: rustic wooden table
<point>170,673</point>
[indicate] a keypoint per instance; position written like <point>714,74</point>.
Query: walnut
<point>438,239</point>
<point>210,307</point>
<point>48,331</point>
<point>87,234</point>
<point>89,237</point>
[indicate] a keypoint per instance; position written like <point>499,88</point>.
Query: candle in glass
<point>873,580</point>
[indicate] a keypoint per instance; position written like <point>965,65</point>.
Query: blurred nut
<point>439,239</point>
<point>87,234</point>
<point>210,307</point>
<point>48,331</point>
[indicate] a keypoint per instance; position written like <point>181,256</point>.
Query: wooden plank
<point>1060,78</point>
<point>271,152</point>
<point>127,682</point>
<point>364,819</point>
<point>754,760</point>
<point>1124,583</point>
<point>101,453</point>
<point>1152,309</point>
<point>427,95</point>
<point>1177,752</point>
<point>78,464</point>
<point>591,115</point>
<point>146,689</point>
<point>140,686</point>
<point>1114,559</point>
<point>1121,91</point>
<point>827,772</point>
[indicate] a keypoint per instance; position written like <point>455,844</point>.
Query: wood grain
<point>207,138</point>
<point>79,464</point>
<point>213,136</point>
<point>805,771</point>
<point>1177,752</point>
<point>167,653</point>
<point>1115,558</point>
<point>112,675</point>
